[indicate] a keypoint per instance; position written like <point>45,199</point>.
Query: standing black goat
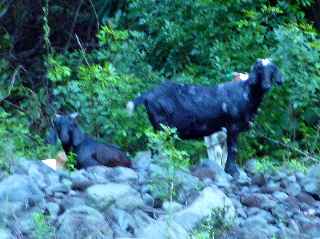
<point>88,151</point>
<point>198,111</point>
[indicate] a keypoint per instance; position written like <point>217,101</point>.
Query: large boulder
<point>123,195</point>
<point>311,183</point>
<point>20,188</point>
<point>5,234</point>
<point>210,200</point>
<point>163,230</point>
<point>212,170</point>
<point>82,223</point>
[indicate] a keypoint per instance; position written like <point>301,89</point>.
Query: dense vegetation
<point>93,56</point>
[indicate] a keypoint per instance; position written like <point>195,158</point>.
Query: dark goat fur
<point>198,111</point>
<point>88,151</point>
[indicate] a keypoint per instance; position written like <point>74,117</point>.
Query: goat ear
<point>77,136</point>
<point>278,77</point>
<point>52,137</point>
<point>74,115</point>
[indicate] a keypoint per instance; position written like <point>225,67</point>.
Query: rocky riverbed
<point>148,202</point>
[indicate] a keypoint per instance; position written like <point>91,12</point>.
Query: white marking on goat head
<point>266,62</point>
<point>74,115</point>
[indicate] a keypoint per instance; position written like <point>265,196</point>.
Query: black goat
<point>198,111</point>
<point>88,151</point>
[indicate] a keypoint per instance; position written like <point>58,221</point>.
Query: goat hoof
<point>233,170</point>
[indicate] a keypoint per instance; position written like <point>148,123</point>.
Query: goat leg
<point>231,165</point>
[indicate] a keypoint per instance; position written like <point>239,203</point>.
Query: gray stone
<point>70,202</point>
<point>270,187</point>
<point>251,166</point>
<point>19,188</point>
<point>103,195</point>
<point>5,234</point>
<point>210,200</point>
<point>148,199</point>
<point>39,173</point>
<point>259,179</point>
<point>243,178</point>
<point>252,200</point>
<point>122,174</point>
<point>142,160</point>
<point>163,230</point>
<point>53,209</point>
<point>80,181</point>
<point>82,223</point>
<point>125,222</point>
<point>311,182</point>
<point>171,206</point>
<point>98,174</point>
<point>210,169</point>
<point>280,195</point>
<point>142,219</point>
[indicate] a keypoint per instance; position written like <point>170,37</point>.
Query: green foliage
<point>164,143</point>
<point>214,226</point>
<point>71,162</point>
<point>42,228</point>
<point>147,41</point>
<point>171,159</point>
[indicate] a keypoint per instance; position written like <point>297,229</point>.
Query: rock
<point>5,234</point>
<point>171,207</point>
<point>270,187</point>
<point>253,200</point>
<point>210,200</point>
<point>81,223</point>
<point>38,172</point>
<point>210,169</point>
<point>148,199</point>
<point>293,189</point>
<point>142,161</point>
<point>251,166</point>
<point>53,209</point>
<point>259,179</point>
<point>186,186</point>
<point>305,198</point>
<point>163,230</point>
<point>242,178</point>
<point>312,229</point>
<point>142,219</point>
<point>98,174</point>
<point>281,196</point>
<point>103,195</point>
<point>70,202</point>
<point>311,183</point>
<point>79,181</point>
<point>122,174</point>
<point>125,222</point>
<point>20,188</point>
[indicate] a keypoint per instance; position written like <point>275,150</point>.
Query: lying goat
<point>198,111</point>
<point>88,151</point>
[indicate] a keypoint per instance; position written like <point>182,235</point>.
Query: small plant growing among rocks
<point>164,144</point>
<point>71,161</point>
<point>214,226</point>
<point>43,229</point>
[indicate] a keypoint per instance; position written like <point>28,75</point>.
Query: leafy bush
<point>140,43</point>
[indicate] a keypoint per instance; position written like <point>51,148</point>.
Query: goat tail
<point>132,104</point>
